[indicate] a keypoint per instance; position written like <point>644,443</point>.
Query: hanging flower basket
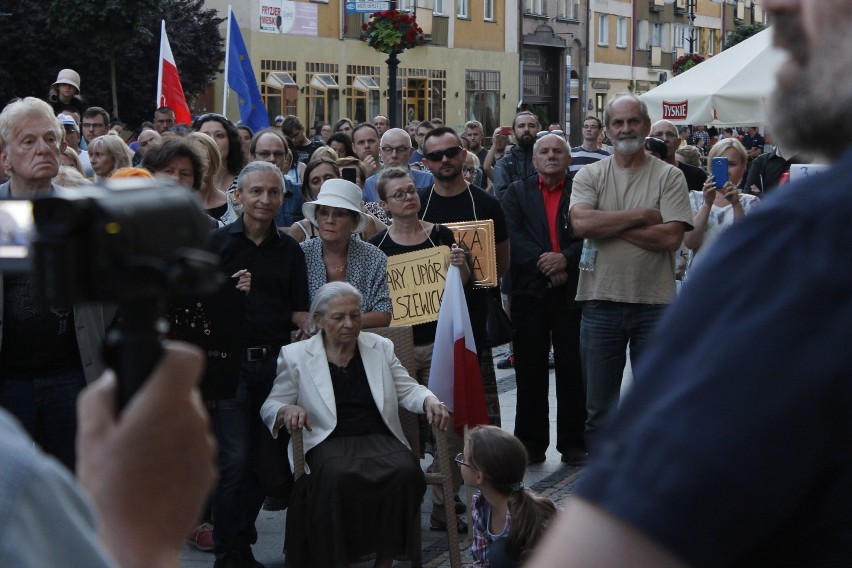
<point>686,62</point>
<point>392,32</point>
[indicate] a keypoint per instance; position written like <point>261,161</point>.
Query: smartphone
<point>506,130</point>
<point>719,171</point>
<point>349,174</point>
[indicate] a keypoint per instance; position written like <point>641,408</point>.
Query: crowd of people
<point>586,242</point>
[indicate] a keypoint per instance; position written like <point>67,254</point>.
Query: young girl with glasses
<point>508,518</point>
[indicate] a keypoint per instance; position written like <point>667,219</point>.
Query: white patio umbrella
<point>728,89</point>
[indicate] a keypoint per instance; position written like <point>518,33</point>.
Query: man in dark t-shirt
<point>293,128</point>
<point>452,200</point>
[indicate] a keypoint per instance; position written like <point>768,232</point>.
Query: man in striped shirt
<point>589,152</point>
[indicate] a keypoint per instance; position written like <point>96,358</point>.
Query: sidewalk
<point>551,478</point>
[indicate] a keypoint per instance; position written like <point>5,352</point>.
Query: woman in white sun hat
<point>340,255</point>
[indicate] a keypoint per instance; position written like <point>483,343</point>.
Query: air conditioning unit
<point>656,5</point>
<point>656,57</point>
<point>680,7</point>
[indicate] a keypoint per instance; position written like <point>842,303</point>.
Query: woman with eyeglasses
<point>362,486</point>
<point>317,172</point>
<point>227,138</point>
<point>340,255</point>
<point>399,197</point>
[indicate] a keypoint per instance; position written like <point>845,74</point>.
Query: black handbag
<point>498,326</point>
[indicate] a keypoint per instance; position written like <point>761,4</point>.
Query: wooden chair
<point>404,349</point>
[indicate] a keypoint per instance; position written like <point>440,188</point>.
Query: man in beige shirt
<point>633,210</point>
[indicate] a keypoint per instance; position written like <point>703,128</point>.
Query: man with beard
<point>667,132</point>
<point>632,210</point>
<point>474,135</point>
<point>697,463</point>
<point>517,164</point>
<point>452,200</point>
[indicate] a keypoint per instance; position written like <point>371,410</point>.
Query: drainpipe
<point>587,86</point>
<point>633,49</point>
<point>520,55</point>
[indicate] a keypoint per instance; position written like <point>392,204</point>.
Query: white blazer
<point>304,380</point>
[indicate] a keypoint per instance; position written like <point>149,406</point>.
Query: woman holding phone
<point>715,209</point>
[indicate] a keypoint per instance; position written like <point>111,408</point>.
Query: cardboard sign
<point>801,171</point>
<point>416,283</point>
<point>478,238</point>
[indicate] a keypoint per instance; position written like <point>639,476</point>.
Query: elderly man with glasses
<point>396,149</point>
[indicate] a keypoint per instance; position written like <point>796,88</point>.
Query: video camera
<point>136,243</point>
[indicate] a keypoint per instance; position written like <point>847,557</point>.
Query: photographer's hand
<point>149,469</point>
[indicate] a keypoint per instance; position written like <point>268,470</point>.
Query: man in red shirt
<point>545,255</point>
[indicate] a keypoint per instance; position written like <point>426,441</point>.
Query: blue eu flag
<point>240,77</point>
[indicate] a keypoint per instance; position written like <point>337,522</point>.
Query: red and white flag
<point>169,89</point>
<point>454,376</point>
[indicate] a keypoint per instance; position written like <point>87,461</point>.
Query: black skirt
<point>360,499</point>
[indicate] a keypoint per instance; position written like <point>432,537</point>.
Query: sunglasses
<point>438,155</point>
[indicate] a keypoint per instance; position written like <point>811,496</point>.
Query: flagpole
<point>160,65</point>
<point>227,58</point>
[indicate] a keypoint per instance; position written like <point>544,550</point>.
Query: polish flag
<point>454,376</point>
<point>169,89</point>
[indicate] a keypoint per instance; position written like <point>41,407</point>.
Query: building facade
<point>310,61</point>
<point>554,60</point>
<point>633,43</point>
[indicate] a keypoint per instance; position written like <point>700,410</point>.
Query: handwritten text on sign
<point>416,283</point>
<point>478,238</point>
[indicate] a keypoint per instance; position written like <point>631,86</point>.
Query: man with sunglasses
<point>452,200</point>
<point>396,149</point>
